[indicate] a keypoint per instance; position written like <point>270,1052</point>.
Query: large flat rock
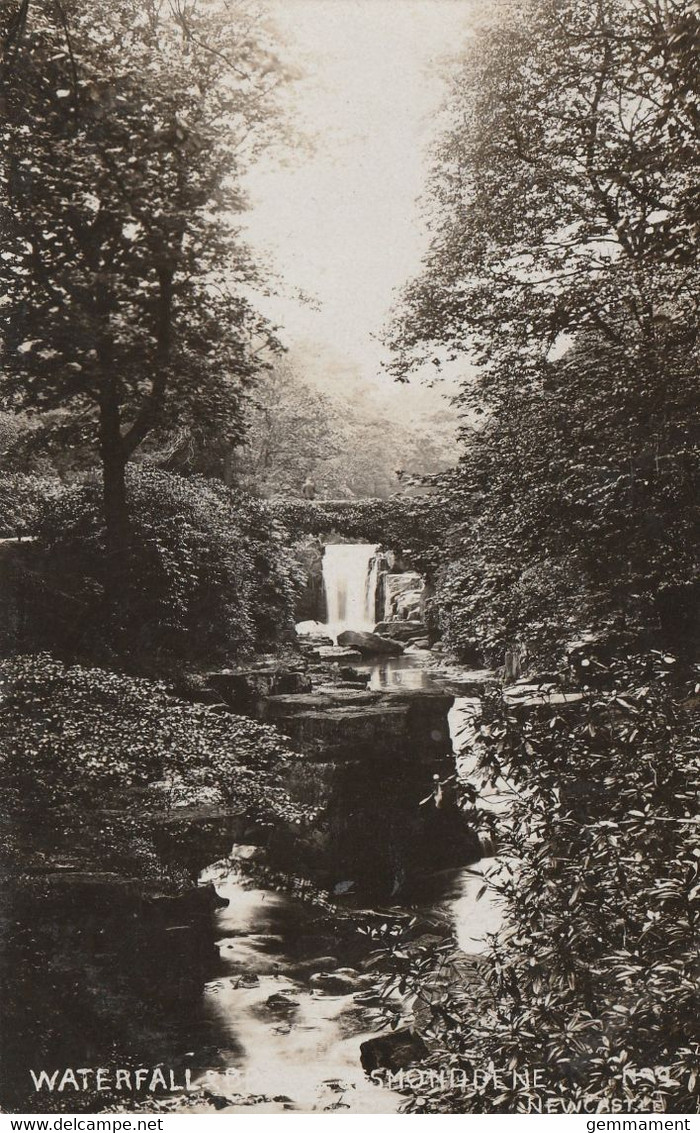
<point>274,707</point>
<point>470,682</point>
<point>345,724</point>
<point>337,653</point>
<point>400,630</point>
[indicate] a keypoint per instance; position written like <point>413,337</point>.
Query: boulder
<point>281,1003</point>
<point>401,630</point>
<point>396,1051</point>
<point>344,981</point>
<point>241,689</point>
<point>370,644</point>
<point>348,673</point>
<point>313,634</point>
<point>246,980</point>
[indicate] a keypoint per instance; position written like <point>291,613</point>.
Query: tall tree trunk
<point>116,448</point>
<point>229,465</point>
<point>114,505</point>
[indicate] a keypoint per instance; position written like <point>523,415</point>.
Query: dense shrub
<point>107,779</point>
<point>95,752</point>
<point>593,978</point>
<point>22,498</point>
<point>206,571</point>
<point>565,518</point>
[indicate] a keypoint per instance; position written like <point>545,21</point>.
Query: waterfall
<point>350,577</point>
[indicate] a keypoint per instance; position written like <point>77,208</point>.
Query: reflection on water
<point>459,895</point>
<point>405,672</point>
<point>453,896</point>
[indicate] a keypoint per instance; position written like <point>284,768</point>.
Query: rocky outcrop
<point>242,689</point>
<point>405,631</point>
<point>370,644</point>
<point>368,759</point>
<point>395,1051</point>
<point>403,596</point>
<point>311,601</point>
<point>351,724</point>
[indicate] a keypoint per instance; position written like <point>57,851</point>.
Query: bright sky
<point>343,224</point>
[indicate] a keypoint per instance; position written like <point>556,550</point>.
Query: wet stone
<point>335,983</point>
<point>281,1003</point>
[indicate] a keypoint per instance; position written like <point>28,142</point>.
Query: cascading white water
<point>350,577</point>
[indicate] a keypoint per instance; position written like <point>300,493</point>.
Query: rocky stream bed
<point>260,985</point>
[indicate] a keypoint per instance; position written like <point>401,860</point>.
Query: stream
<point>288,1045</point>
<point>292,1003</point>
<point>273,1018</point>
<point>289,1042</point>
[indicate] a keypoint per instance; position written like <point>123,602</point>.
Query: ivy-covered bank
<point>93,761</point>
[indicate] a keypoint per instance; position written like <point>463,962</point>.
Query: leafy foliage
<point>97,754</point>
<point>22,498</point>
<point>403,523</point>
<point>593,978</point>
<point>563,265</point>
<point>126,285</point>
<point>208,577</point>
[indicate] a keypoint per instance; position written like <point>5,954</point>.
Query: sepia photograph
<point>349,572</point>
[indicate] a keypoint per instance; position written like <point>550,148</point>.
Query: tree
<point>592,977</point>
<point>349,442</point>
<point>562,262</point>
<point>208,577</point>
<point>292,430</point>
<point>127,286</point>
